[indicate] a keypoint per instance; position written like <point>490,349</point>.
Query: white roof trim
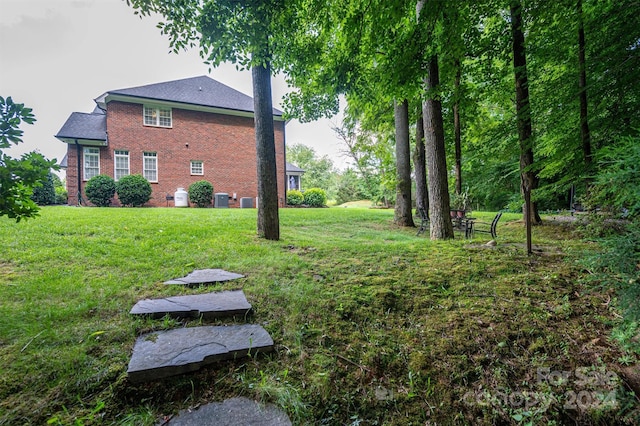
<point>108,97</point>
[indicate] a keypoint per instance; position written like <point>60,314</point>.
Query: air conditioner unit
<point>221,200</point>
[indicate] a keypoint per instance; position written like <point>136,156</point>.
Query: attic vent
<point>200,89</point>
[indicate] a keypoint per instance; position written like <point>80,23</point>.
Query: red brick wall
<point>225,144</point>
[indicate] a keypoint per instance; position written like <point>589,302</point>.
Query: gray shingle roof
<point>203,91</point>
<point>80,125</point>
<point>293,168</point>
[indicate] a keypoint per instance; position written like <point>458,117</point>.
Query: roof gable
<point>198,91</point>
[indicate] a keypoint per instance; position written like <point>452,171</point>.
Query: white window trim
<point>153,155</point>
<point>85,150</point>
<point>115,162</point>
<point>201,168</point>
<point>157,110</point>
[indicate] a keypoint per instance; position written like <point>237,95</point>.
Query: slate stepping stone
<point>232,412</point>
<point>168,353</point>
<point>209,305</point>
<point>206,276</point>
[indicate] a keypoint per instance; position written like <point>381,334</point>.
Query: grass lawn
<point>372,324</point>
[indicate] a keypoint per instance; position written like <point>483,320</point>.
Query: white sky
<point>56,56</point>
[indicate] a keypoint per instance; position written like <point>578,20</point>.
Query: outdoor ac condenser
<point>221,200</point>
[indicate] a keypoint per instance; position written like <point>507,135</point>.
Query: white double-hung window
<point>121,163</point>
<point>91,162</point>
<point>197,167</point>
<point>157,116</point>
<point>150,166</point>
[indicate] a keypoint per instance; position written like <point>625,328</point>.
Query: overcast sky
<point>56,56</point>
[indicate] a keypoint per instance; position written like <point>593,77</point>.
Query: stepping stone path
<point>168,353</point>
<point>232,412</point>
<point>204,276</point>
<point>210,305</point>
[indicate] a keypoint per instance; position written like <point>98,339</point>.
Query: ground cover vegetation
<point>372,324</point>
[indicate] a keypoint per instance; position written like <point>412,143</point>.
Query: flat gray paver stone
<point>206,276</point>
<point>232,412</point>
<point>168,353</point>
<point>209,305</point>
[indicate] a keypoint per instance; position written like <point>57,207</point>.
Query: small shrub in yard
<point>133,190</point>
<point>100,190</point>
<point>315,197</point>
<point>294,197</point>
<point>201,193</point>
<point>61,195</point>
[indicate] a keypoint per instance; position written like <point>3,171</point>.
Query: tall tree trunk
<point>456,128</point>
<point>403,216</point>
<point>268,219</point>
<point>528,179</point>
<point>441,226</point>
<point>419,166</point>
<point>585,134</point>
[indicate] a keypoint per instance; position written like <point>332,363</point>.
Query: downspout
<point>79,162</point>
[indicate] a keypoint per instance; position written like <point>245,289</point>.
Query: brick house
<point>173,133</point>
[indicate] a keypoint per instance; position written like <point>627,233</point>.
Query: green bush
<point>315,197</point>
<point>100,190</point>
<point>133,190</point>
<point>45,194</point>
<point>61,195</point>
<point>294,197</point>
<point>201,193</point>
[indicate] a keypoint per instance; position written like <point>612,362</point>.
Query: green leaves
<point>11,115</point>
<point>18,177</point>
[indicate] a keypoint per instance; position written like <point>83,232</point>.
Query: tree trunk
<point>441,226</point>
<point>585,134</point>
<point>419,166</point>
<point>268,220</point>
<point>403,212</point>
<point>528,179</point>
<point>456,129</point>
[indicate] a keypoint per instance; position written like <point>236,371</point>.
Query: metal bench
<point>487,228</point>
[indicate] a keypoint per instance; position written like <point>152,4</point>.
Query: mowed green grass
<point>372,324</point>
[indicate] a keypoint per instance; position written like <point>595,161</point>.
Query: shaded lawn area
<point>372,324</point>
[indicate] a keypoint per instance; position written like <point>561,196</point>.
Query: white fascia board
<point>86,142</point>
<point>179,105</point>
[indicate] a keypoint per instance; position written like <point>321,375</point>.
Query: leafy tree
<point>372,154</point>
<point>100,190</point>
<point>318,172</point>
<point>350,187</point>
<point>45,194</point>
<point>133,190</point>
<point>254,34</point>
<point>19,177</point>
<point>60,189</point>
<point>617,183</point>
